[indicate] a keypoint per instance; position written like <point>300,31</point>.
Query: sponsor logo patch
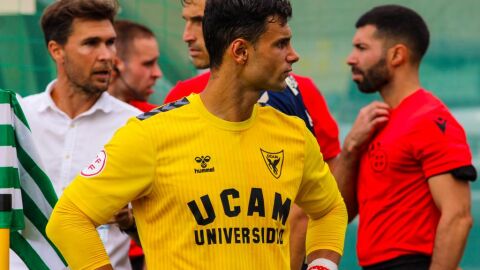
<point>203,161</point>
<point>441,124</point>
<point>274,162</point>
<point>292,84</point>
<point>96,166</point>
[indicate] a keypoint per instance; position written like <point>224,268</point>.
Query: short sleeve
<point>122,172</point>
<point>318,192</point>
<point>440,143</point>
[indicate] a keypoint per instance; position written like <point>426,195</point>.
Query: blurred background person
<point>135,72</point>
<point>136,67</point>
<point>412,191</point>
<point>75,116</point>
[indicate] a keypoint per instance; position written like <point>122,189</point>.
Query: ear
<point>239,50</point>
<point>56,51</point>
<point>118,65</point>
<point>398,55</point>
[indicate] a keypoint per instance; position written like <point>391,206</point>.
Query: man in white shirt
<point>75,116</point>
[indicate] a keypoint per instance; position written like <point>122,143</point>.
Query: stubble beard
<point>82,85</point>
<point>375,78</point>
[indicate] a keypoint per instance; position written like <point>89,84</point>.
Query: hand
<point>370,119</point>
<point>124,218</point>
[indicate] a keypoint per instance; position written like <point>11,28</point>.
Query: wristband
<point>322,264</point>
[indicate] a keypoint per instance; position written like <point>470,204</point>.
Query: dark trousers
<point>405,262</point>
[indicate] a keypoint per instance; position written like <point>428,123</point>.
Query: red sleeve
<point>440,143</point>
<point>176,93</point>
<point>185,88</point>
<point>325,126</point>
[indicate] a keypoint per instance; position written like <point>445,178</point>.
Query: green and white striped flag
<point>27,196</point>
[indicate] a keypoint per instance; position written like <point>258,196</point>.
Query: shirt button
<point>67,156</point>
<point>72,125</point>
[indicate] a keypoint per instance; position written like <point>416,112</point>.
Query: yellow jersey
<point>212,194</point>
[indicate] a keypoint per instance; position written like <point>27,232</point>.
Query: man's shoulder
<point>187,87</point>
<point>276,116</point>
<point>122,107</point>
<point>423,103</point>
<point>306,86</point>
<point>143,106</point>
<point>199,80</point>
<point>33,102</point>
<point>168,107</point>
<point>32,99</point>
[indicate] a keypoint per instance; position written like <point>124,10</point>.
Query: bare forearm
<point>346,172</point>
<point>298,225</point>
<point>326,254</point>
<point>370,119</point>
<point>450,241</point>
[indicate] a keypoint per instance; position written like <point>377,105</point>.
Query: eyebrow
<point>194,18</point>
<point>91,39</point>
<point>284,39</point>
<point>150,61</point>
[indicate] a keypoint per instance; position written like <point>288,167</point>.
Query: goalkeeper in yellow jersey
<point>212,177</point>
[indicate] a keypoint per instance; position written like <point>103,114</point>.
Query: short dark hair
<point>225,21</point>
<point>399,24</point>
<point>58,17</point>
<point>127,31</point>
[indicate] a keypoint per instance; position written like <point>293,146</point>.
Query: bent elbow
<point>467,220</point>
<point>461,219</point>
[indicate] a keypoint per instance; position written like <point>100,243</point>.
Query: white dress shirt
<point>67,145</point>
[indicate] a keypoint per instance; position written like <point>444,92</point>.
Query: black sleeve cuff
<point>465,173</point>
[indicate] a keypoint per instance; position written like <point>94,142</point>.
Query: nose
<point>106,52</point>
<point>157,72</point>
<point>351,59</point>
<point>293,56</point>
<point>187,33</point>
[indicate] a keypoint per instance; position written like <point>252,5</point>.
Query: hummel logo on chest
<point>203,161</point>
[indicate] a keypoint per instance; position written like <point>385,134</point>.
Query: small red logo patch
<point>318,267</point>
<point>377,157</point>
<point>96,166</point>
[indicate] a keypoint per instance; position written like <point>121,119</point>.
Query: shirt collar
<point>103,103</point>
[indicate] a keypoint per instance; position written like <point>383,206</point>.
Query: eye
<point>111,42</point>
<point>360,47</point>
<point>150,63</point>
<point>280,44</point>
<point>90,42</point>
<point>283,43</point>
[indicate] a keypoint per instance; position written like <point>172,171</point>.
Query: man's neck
<point>71,101</point>
<point>116,89</point>
<point>399,88</point>
<point>228,98</point>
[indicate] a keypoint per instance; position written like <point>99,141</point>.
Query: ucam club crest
<point>274,162</point>
<point>96,166</point>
